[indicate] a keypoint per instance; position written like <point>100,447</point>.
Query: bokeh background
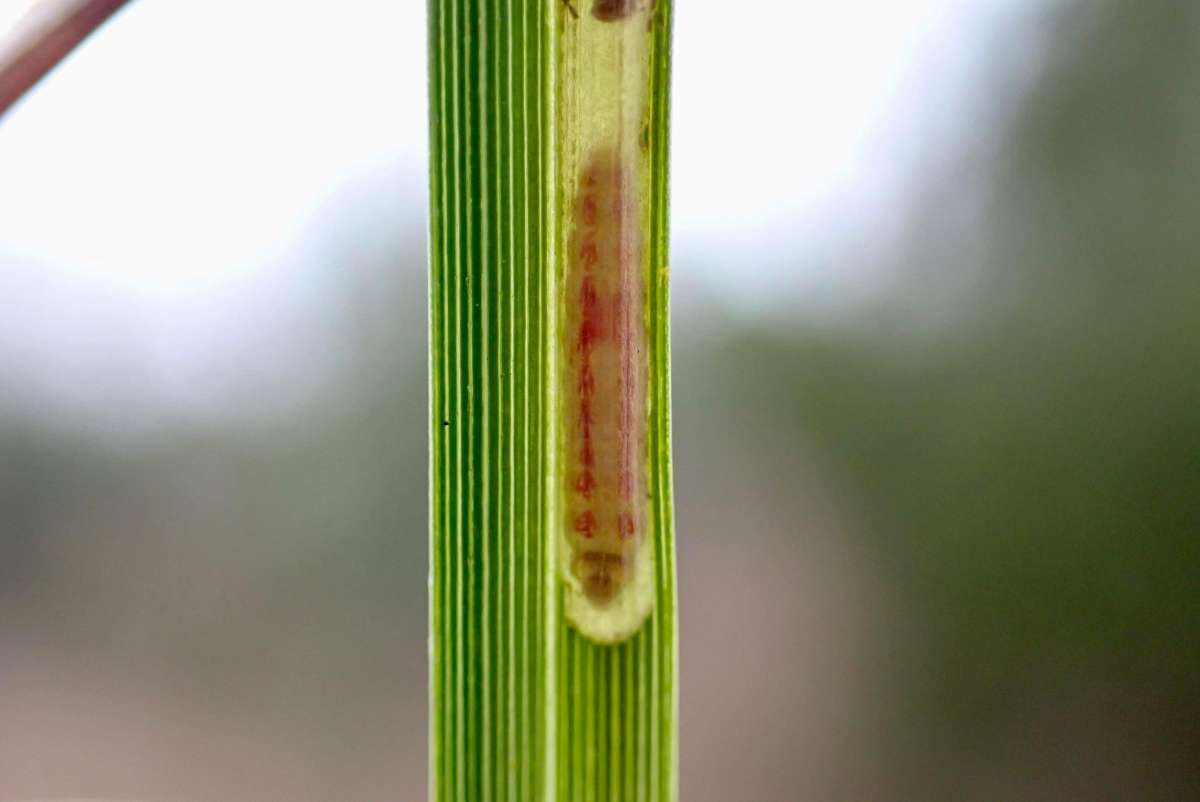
<point>937,403</point>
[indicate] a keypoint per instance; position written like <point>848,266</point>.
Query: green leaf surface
<point>521,706</point>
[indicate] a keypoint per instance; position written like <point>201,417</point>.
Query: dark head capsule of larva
<point>614,10</point>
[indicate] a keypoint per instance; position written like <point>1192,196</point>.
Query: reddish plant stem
<point>50,44</point>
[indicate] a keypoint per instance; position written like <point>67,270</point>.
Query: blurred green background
<point>938,457</point>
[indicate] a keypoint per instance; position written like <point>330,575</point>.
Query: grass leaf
<point>523,707</point>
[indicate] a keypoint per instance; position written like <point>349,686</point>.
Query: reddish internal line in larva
<point>605,382</point>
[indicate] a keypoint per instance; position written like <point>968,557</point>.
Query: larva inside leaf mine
<point>607,560</point>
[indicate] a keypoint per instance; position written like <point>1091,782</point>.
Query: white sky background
<point>157,191</point>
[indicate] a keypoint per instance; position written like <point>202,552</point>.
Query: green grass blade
<point>523,708</point>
